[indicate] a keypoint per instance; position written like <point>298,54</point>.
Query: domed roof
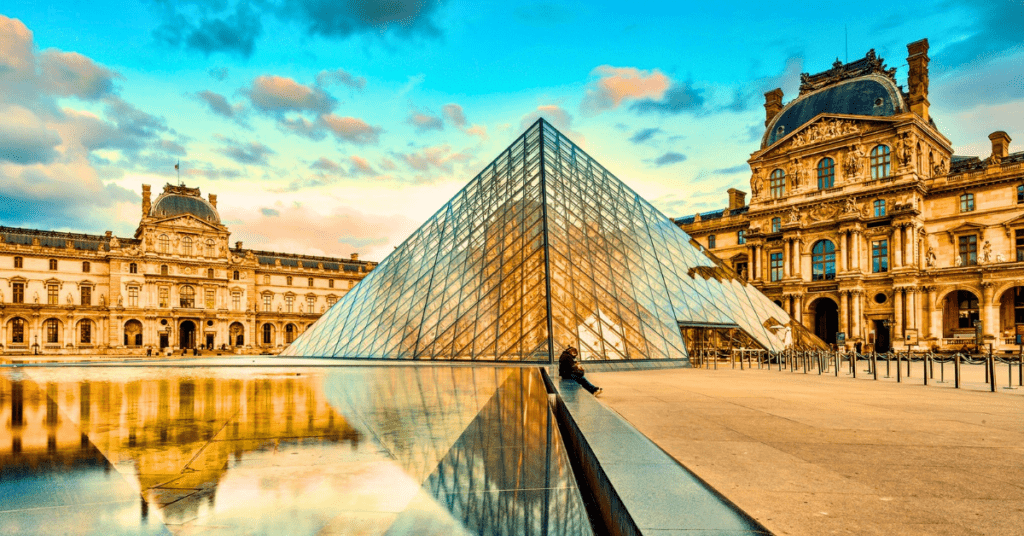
<point>867,95</point>
<point>179,200</point>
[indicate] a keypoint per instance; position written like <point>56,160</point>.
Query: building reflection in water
<point>369,450</point>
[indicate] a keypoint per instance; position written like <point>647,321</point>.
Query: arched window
<point>163,269</point>
<point>86,266</point>
<point>289,333</point>
<point>236,276</point>
<point>209,247</point>
<point>164,244</point>
<point>268,334</point>
<point>187,296</point>
<point>186,246</point>
<point>209,273</point>
<point>777,183</point>
<point>133,268</point>
<point>880,162</point>
<point>52,330</point>
<point>85,332</point>
<point>826,173</point>
<point>17,331</point>
<point>823,260</point>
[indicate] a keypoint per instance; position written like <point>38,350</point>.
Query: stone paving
<point>809,454</point>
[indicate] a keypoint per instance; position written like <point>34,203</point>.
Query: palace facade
<point>177,284</point>
<point>863,221</point>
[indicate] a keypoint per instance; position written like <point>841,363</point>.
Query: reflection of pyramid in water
<point>543,249</point>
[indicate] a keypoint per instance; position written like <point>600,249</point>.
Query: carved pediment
<point>965,228</point>
<point>188,222</point>
<point>826,127</point>
<point>1013,223</point>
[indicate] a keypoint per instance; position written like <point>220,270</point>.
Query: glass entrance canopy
<point>543,249</point>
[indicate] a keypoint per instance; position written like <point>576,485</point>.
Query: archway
<point>133,333</point>
<point>237,334</point>
<point>826,319</point>
<point>960,310</point>
<point>289,333</point>
<point>268,334</point>
<point>187,334</point>
<point>1011,315</point>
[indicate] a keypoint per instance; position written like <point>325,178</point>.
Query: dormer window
<point>777,183</point>
<point>826,173</point>
<point>880,162</point>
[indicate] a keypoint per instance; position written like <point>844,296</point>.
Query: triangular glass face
<point>541,250</point>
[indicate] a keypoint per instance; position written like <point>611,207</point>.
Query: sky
<point>338,127</point>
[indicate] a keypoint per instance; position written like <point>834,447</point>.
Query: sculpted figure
<point>986,252</point>
<point>794,216</point>
<point>755,184</point>
<point>929,259</point>
<point>115,243</point>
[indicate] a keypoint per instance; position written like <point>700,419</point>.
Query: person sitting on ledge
<point>568,369</point>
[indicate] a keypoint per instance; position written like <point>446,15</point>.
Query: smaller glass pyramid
<point>543,249</point>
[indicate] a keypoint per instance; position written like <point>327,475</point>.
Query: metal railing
<point>884,366</point>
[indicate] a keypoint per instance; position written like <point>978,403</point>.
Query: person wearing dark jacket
<point>568,369</point>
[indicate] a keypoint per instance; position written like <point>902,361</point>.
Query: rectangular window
<point>330,283</point>
<point>968,250</point>
<point>311,281</point>
<point>776,266</point>
<point>211,298</point>
<point>52,333</point>
<point>880,256</point>
<point>331,300</point>
<point>1020,194</point>
<point>1020,245</point>
<point>53,264</point>
<point>133,268</point>
<point>86,295</point>
<point>86,266</point>
<point>879,206</point>
<point>17,331</point>
<point>289,301</point>
<point>711,241</point>
<point>741,236</point>
<point>85,329</point>
<point>967,203</point>
<point>310,304</point>
<point>266,280</point>
<point>776,225</point>
<point>266,302</point>
<point>18,262</point>
<point>236,301</point>
<point>51,295</point>
<point>18,293</point>
<point>164,296</point>
<point>133,296</point>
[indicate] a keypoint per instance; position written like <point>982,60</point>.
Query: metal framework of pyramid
<point>543,249</point>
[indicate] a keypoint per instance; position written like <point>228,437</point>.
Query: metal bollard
<point>853,363</point>
<point>874,363</point>
<point>1009,374</point>
<point>909,355</point>
<point>926,362</point>
<point>899,373</point>
<point>887,360</point>
<point>956,371</point>
<point>991,370</point>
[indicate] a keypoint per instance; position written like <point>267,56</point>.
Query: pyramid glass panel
<point>544,249</point>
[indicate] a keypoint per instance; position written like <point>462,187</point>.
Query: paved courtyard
<point>809,454</point>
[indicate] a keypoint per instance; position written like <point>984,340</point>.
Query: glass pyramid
<point>544,248</point>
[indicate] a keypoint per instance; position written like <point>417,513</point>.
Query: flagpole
<point>177,168</point>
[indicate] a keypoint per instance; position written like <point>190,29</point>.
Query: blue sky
<point>337,127</point>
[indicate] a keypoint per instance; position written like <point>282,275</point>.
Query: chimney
<point>213,200</point>
<point>772,104</point>
<point>145,200</point>
<point>355,256</point>
<point>917,78</point>
<point>737,198</point>
<point>108,234</point>
<point>238,245</point>
<point>1000,145</point>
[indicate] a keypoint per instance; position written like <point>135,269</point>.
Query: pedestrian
<point>569,369</point>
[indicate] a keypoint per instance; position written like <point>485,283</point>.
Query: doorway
<point>826,320</point>
<point>881,336</point>
<point>187,335</point>
<point>209,341</point>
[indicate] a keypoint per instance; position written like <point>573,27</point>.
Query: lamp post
<point>887,324</point>
<point>35,344</point>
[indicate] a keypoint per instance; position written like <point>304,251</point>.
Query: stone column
<point>796,257</point>
<point>856,329</point>
<point>912,309</point>
<point>935,315</point>
<point>909,243</point>
<point>841,252</point>
<point>897,313</point>
<point>786,258</point>
<point>751,262</point>
<point>844,308</point>
<point>858,239</point>
<point>798,301</point>
<point>897,248</point>
<point>989,311</point>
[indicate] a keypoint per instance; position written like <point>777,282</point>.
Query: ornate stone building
<point>176,284</point>
<point>862,220</point>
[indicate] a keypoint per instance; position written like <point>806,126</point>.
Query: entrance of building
<point>163,341</point>
<point>881,336</point>
<point>187,334</point>
<point>209,341</point>
<point>826,320</point>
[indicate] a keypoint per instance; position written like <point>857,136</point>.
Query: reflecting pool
<point>335,450</point>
